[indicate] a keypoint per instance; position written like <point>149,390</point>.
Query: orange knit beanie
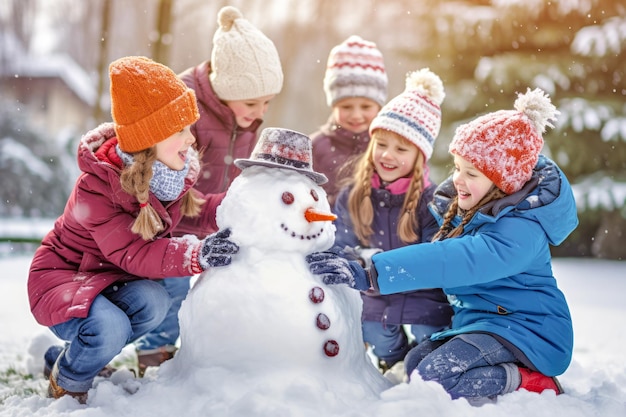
<point>149,103</point>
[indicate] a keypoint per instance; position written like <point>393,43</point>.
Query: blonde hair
<point>360,206</point>
<point>135,180</point>
<point>446,230</point>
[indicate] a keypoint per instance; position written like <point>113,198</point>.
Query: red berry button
<point>316,295</point>
<point>331,348</point>
<point>323,322</point>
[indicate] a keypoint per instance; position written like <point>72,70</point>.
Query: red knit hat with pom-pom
<point>505,145</point>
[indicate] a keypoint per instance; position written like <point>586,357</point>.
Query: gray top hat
<point>283,148</point>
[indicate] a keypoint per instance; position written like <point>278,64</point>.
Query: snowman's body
<point>266,313</point>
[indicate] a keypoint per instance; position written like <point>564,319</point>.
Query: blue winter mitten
<point>337,270</point>
<point>217,250</point>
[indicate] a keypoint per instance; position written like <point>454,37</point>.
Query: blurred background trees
<point>485,51</point>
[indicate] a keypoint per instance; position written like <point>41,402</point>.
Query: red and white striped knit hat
<point>505,145</point>
<point>355,68</point>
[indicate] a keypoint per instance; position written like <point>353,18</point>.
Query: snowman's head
<point>277,209</point>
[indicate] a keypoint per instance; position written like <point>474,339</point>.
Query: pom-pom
<point>536,105</point>
<point>227,16</point>
<point>426,83</point>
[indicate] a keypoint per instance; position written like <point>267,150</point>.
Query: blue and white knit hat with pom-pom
<point>415,114</point>
<point>505,145</point>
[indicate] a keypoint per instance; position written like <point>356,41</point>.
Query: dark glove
<point>216,250</point>
<point>337,270</point>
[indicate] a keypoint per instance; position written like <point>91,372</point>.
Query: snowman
<point>265,317</point>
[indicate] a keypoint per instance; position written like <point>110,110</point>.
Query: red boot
<point>537,382</point>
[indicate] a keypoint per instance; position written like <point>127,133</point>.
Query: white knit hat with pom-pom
<point>415,114</point>
<point>244,62</point>
<point>505,145</point>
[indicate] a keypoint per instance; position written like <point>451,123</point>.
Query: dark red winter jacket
<point>218,139</point>
<point>92,246</point>
<point>334,146</point>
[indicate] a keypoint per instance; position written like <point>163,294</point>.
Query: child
<point>91,280</point>
<point>233,93</point>
<point>385,206</point>
<point>499,213</point>
<point>356,88</point>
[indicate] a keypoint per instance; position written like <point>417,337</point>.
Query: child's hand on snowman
<point>337,270</point>
<point>217,250</point>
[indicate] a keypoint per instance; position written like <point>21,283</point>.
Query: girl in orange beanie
<point>93,279</point>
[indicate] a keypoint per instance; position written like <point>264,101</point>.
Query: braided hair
<point>447,230</point>
<point>135,180</point>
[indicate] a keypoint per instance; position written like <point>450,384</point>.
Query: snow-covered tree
<point>33,168</point>
<point>489,50</point>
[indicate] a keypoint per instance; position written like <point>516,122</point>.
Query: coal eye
<point>314,195</point>
<point>288,198</point>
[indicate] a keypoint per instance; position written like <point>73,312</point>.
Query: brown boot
<point>153,357</point>
<point>55,391</point>
<point>537,382</point>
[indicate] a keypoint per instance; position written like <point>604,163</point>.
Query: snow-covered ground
<point>595,383</point>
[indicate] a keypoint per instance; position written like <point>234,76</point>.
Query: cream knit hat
<point>244,62</point>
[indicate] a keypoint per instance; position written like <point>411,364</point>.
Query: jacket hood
<point>547,199</point>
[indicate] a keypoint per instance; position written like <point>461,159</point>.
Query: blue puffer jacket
<point>428,306</point>
<point>498,274</point>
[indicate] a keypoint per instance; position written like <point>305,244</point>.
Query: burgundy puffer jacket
<point>334,146</point>
<point>218,139</point>
<point>91,245</point>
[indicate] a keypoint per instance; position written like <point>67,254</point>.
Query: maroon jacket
<point>218,138</point>
<point>334,146</point>
<point>91,245</point>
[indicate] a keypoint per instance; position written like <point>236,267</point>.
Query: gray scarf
<point>166,183</point>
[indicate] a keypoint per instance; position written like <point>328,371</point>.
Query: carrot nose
<point>313,215</point>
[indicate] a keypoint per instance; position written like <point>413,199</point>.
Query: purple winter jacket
<point>334,146</point>
<point>218,139</point>
<point>91,245</point>
<point>428,306</point>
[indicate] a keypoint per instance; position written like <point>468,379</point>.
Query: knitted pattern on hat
<point>244,62</point>
<point>505,145</point>
<point>355,68</point>
<point>149,103</point>
<point>415,114</point>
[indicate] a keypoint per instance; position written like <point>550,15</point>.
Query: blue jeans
<point>473,365</point>
<point>119,315</point>
<point>168,331</point>
<point>389,342</point>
